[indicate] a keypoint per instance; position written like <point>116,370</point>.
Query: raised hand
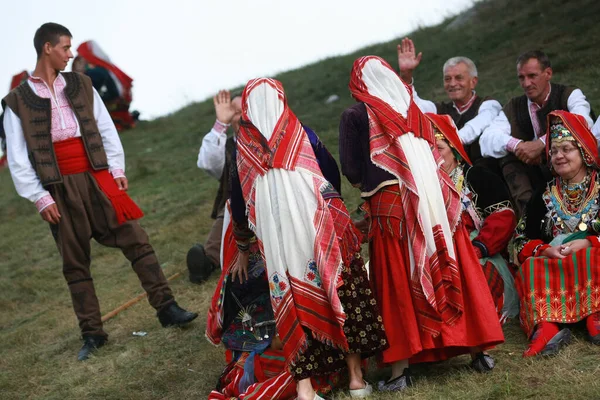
<point>408,60</point>
<point>223,107</point>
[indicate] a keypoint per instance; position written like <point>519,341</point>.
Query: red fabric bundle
<point>72,159</point>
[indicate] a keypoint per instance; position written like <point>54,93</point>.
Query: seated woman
<point>487,214</point>
<point>557,242</point>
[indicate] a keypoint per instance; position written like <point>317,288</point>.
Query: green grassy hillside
<point>38,330</point>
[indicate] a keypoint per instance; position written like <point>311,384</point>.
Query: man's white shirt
<point>495,138</point>
<point>488,110</point>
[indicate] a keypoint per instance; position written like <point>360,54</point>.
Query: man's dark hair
<point>49,32</point>
<point>538,55</point>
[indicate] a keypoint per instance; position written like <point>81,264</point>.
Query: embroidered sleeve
<point>118,173</point>
<point>533,248</point>
<point>44,202</point>
<point>512,144</point>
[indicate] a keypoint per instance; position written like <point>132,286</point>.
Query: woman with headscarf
<point>426,276</point>
<point>487,213</point>
<point>282,189</point>
<point>241,318</point>
<point>557,242</point>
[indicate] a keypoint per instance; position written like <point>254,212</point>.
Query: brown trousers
<point>212,246</point>
<point>87,213</point>
<point>523,181</point>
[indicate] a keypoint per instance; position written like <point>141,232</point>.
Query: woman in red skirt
<point>557,242</point>
<point>427,279</point>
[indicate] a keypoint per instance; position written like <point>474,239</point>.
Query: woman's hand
<point>575,245</point>
<point>240,269</point>
<point>554,252</point>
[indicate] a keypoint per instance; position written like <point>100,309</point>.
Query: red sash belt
<point>72,159</point>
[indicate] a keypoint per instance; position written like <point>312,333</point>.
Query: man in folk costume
<point>470,112</point>
<point>65,156</point>
<point>215,157</point>
<point>557,242</point>
<point>517,136</point>
<point>325,314</point>
<point>487,213</point>
<point>431,291</point>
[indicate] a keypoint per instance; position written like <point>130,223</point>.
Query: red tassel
<point>124,206</point>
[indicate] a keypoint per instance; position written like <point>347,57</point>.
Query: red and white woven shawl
<point>282,184</point>
<point>402,143</point>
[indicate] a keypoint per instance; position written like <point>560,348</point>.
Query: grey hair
<point>454,61</point>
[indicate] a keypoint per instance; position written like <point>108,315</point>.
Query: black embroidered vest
<point>35,115</point>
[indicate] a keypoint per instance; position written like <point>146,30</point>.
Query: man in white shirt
<point>470,112</point>
<point>517,136</point>
<point>214,157</point>
<point>65,156</point>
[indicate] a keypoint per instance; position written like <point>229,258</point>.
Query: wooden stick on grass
<point>131,302</point>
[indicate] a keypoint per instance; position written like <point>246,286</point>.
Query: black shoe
<point>90,345</point>
<point>483,363</point>
<point>173,315</point>
<point>199,265</point>
<point>558,341</point>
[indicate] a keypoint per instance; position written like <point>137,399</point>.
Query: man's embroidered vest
<point>473,150</point>
<point>35,115</point>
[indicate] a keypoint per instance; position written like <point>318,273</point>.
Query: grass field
<point>38,331</point>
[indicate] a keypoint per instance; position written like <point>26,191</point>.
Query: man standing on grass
<point>471,113</point>
<point>65,156</point>
<point>215,157</point>
<point>517,136</point>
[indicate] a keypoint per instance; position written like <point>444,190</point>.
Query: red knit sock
<point>543,333</point>
<point>593,324</point>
